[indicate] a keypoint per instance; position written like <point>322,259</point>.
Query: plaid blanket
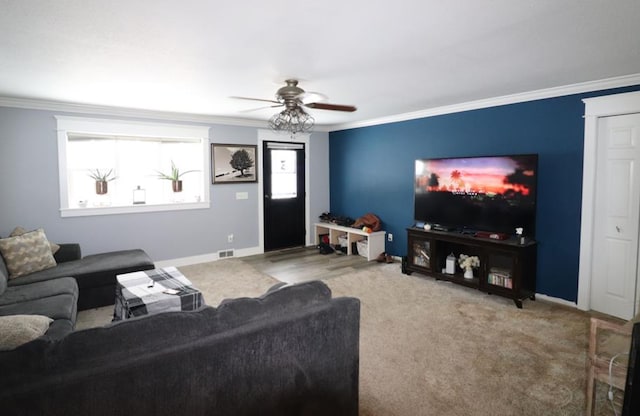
<point>150,291</point>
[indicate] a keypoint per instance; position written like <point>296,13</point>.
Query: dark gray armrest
<point>68,252</point>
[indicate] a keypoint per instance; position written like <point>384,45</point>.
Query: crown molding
<point>616,82</point>
<point>608,83</point>
<point>67,107</point>
<point>35,104</point>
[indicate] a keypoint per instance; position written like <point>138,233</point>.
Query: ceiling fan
<point>291,96</point>
<point>293,118</point>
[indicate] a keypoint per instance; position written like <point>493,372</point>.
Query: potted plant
<point>174,177</point>
<point>102,179</point>
<point>468,263</point>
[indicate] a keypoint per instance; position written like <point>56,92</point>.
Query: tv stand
<point>507,268</point>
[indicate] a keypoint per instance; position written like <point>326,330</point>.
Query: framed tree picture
<point>233,163</point>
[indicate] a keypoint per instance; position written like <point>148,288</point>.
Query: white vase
<point>468,273</point>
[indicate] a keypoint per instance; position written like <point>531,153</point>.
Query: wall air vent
<point>225,253</point>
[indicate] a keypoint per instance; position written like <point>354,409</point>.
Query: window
<point>284,183</point>
<point>136,160</point>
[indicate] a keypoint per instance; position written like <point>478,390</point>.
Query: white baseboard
<point>205,258</point>
<point>556,300</point>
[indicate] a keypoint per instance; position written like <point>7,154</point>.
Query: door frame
<point>595,108</point>
<point>271,136</point>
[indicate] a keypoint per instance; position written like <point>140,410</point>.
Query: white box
<point>343,240</point>
<point>363,248</point>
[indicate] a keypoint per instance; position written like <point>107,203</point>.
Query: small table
<point>154,291</point>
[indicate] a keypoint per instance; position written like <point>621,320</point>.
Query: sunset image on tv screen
<point>492,193</point>
<point>488,176</point>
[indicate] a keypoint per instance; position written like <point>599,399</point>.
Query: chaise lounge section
<point>95,274</point>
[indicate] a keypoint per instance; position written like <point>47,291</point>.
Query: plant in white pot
<point>174,177</point>
<point>468,263</point>
<point>102,179</point>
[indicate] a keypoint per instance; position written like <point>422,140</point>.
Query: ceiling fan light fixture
<point>292,120</point>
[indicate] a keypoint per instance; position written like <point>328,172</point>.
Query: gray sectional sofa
<point>293,351</point>
<point>75,283</point>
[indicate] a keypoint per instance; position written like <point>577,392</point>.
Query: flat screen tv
<point>487,193</point>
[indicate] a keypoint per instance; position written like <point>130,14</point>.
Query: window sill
<point>131,209</point>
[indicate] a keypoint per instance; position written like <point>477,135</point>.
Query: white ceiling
<point>386,58</point>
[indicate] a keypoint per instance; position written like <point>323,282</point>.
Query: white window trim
<point>128,128</point>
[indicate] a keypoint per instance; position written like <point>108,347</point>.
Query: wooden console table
<point>375,243</point>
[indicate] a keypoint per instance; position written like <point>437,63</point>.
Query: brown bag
<point>368,220</point>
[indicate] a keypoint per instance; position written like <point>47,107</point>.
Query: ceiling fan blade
<point>260,108</point>
<point>256,99</point>
<point>311,97</point>
<point>334,107</point>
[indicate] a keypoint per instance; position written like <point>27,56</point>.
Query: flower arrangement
<point>468,262</point>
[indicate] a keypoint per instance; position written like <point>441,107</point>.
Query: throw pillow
<point>16,330</point>
<point>26,253</point>
<point>19,231</point>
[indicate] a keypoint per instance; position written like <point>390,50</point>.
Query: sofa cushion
<point>63,306</point>
<point>19,231</point>
<point>37,290</point>
<point>93,270</point>
<point>26,253</point>
<point>278,300</point>
<point>16,330</point>
<point>160,331</point>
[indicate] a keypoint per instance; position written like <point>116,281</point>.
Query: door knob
<point>618,229</point>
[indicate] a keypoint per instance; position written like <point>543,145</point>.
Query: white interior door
<point>617,215</point>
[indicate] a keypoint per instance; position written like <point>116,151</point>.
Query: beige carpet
<point>434,348</point>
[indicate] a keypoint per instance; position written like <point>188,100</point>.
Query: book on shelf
<point>500,277</point>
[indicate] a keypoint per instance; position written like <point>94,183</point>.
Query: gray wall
<point>30,196</point>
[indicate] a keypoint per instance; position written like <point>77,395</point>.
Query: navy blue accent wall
<point>371,170</point>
